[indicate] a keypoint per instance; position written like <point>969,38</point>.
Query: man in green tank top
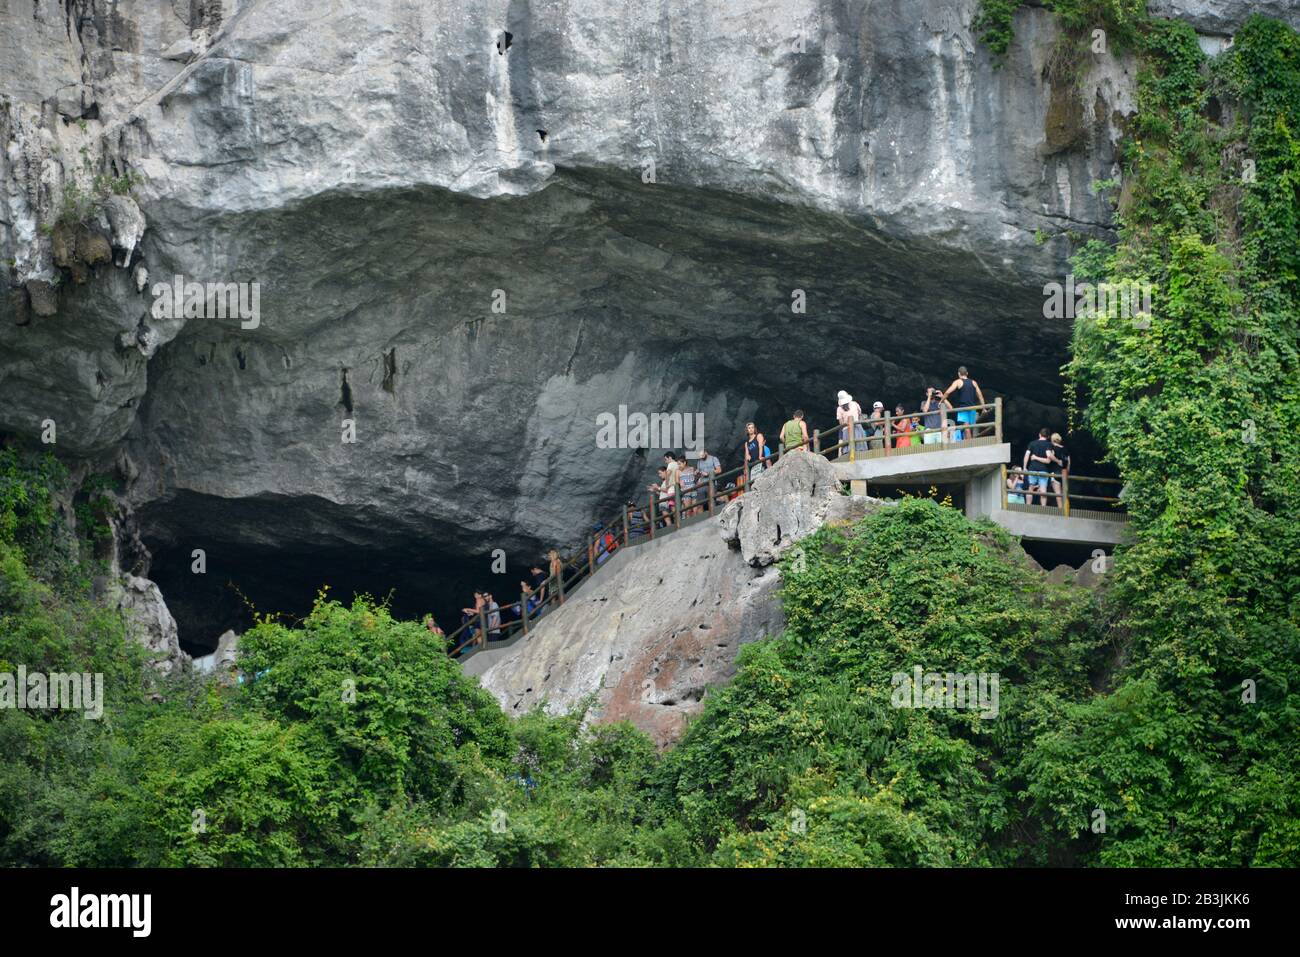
<point>794,434</point>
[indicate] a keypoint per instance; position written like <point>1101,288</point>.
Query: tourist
<point>688,477</point>
<point>794,434</point>
<point>968,393</point>
<point>469,616</point>
<point>433,628</point>
<point>555,569</point>
<point>755,450</point>
<point>1015,488</point>
<point>493,617</point>
<point>876,426</point>
<point>903,425</point>
<point>849,415</point>
<point>707,465</point>
<point>636,521</point>
<point>672,465</point>
<point>1060,467</point>
<point>538,578</point>
<point>1038,457</point>
<point>708,468</point>
<point>607,543</point>
<point>529,599</point>
<point>935,418</point>
<point>664,490</point>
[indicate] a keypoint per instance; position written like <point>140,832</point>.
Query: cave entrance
<point>249,572</point>
<point>480,425</point>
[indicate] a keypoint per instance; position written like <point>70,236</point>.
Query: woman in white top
<point>848,413</point>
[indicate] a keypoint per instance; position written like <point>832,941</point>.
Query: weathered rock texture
<point>221,662</point>
<point>645,184</point>
<point>785,503</point>
<point>148,621</point>
<point>661,623</point>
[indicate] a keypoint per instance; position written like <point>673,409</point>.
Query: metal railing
<point>888,435</point>
<point>1064,499</point>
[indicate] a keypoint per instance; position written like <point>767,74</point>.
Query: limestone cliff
<point>477,224</point>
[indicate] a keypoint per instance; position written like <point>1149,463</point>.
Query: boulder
<point>220,662</point>
<point>788,501</point>
<point>43,296</point>
<point>127,224</point>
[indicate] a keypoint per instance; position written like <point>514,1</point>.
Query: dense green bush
<point>1200,413</point>
<point>803,759</point>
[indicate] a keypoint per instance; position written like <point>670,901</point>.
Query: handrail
<point>475,632</point>
<point>1064,497</point>
<point>643,522</point>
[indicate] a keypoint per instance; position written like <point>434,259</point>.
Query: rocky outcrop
<point>786,503</point>
<point>662,622</point>
<point>148,622</point>
<point>221,662</point>
<point>1223,17</point>
<point>314,151</point>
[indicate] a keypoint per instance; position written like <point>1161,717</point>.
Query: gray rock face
<point>648,636</point>
<point>662,622</point>
<point>785,503</point>
<point>1224,17</point>
<point>476,225</point>
<point>220,662</point>
<point>148,621</point>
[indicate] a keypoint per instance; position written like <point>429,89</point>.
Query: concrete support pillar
<point>983,495</point>
<point>858,487</point>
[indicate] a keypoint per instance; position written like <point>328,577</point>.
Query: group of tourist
<point>486,614</point>
<point>944,414</point>
<point>680,477</point>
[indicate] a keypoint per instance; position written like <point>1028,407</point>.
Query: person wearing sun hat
<point>876,425</point>
<point>848,413</point>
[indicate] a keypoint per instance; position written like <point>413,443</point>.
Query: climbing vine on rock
<point>1192,754</point>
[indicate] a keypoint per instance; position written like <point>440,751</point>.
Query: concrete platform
<point>1038,523</point>
<point>1049,525</point>
<point>959,462</point>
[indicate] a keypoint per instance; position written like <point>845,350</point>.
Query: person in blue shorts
<point>965,392</point>
<point>1038,458</point>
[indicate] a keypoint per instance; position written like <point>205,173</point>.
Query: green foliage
<point>80,204</point>
<point>808,733</point>
<point>1166,701</point>
<point>392,708</point>
<point>1201,415</point>
<point>994,25</point>
<point>352,739</point>
<point>1121,19</point>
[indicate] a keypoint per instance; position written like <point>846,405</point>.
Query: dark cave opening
<point>250,571</point>
<point>273,554</point>
<point>241,580</point>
